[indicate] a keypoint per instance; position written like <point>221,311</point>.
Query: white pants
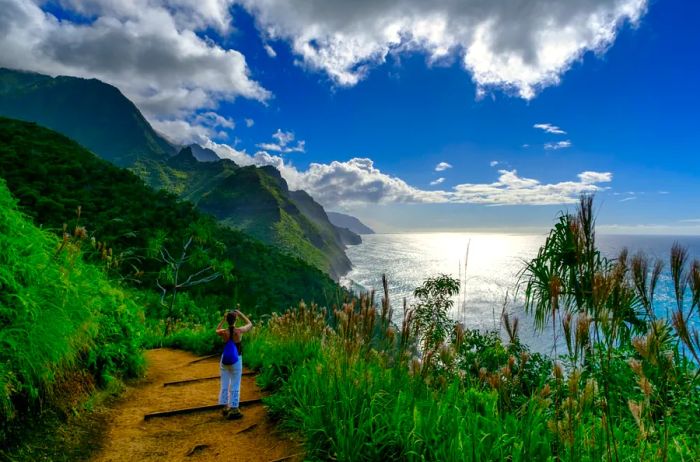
<point>231,383</point>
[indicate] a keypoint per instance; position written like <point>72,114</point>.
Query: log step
<point>192,410</point>
<point>203,358</point>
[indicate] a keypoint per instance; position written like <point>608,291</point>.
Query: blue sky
<point>628,104</point>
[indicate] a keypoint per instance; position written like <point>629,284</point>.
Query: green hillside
<point>92,112</point>
<point>258,201</point>
<point>52,176</point>
<point>254,200</point>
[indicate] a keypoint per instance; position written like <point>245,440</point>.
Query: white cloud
<point>270,51</point>
<point>249,122</point>
<point>511,189</point>
<point>225,151</point>
<point>358,181</point>
<point>197,128</point>
<point>690,220</point>
<point>493,163</point>
<point>212,119</point>
<point>282,143</point>
<point>283,138</point>
<point>436,182</point>
<point>442,166</point>
<point>520,47</point>
<point>181,132</point>
<point>630,198</point>
<point>589,177</point>
<point>558,145</point>
<point>149,49</point>
<point>549,128</point>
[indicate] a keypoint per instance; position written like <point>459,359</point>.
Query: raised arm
<point>248,324</point>
<point>219,329</point>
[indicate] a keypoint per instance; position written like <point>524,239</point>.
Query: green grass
<point>355,407</point>
<point>347,387</point>
<point>199,340</point>
<point>64,328</point>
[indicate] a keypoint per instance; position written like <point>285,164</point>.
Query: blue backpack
<point>230,355</point>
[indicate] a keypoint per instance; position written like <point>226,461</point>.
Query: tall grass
<point>636,361</point>
<point>360,388</point>
<point>64,328</point>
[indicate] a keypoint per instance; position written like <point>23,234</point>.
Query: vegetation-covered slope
<point>92,112</point>
<point>64,328</point>
<point>254,200</point>
<point>52,176</point>
<point>257,201</point>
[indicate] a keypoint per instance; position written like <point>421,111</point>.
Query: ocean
<point>492,268</point>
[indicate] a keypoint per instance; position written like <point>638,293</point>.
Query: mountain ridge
<point>90,111</point>
<point>253,199</point>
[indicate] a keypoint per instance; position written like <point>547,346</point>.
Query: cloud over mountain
<point>149,49</point>
<point>158,52</point>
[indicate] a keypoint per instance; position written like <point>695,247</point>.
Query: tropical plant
<point>431,310</point>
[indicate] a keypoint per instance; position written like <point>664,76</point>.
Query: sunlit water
<point>492,268</point>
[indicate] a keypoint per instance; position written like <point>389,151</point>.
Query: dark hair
<point>231,320</point>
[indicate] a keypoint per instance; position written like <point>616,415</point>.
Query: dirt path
<point>203,436</point>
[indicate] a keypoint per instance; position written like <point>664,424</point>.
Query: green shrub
<point>354,394</point>
<point>64,328</point>
<point>198,340</point>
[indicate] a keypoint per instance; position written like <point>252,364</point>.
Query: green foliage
<point>200,340</point>
<point>360,410</point>
<point>632,362</point>
<point>64,328</point>
<point>51,176</point>
<point>490,402</point>
<point>483,354</point>
<point>434,299</point>
<point>351,405</point>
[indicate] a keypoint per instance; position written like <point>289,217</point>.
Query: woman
<point>231,363</point>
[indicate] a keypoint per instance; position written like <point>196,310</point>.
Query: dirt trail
<point>203,436</point>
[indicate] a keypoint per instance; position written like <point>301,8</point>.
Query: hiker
<point>231,363</point>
